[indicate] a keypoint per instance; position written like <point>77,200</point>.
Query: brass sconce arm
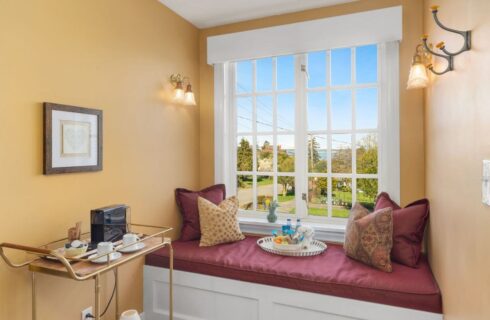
<point>446,54</point>
<point>465,34</point>
<point>448,58</point>
<point>177,77</point>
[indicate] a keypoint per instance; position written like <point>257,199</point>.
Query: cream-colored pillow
<point>219,223</point>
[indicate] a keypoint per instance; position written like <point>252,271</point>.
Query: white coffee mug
<point>105,248</point>
<point>130,238</point>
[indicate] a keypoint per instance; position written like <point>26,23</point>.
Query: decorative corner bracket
<point>177,77</point>
<point>447,55</point>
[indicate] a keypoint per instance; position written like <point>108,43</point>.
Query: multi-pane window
<point>265,101</point>
<point>306,130</point>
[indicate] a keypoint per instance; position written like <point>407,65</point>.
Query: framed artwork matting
<point>72,139</point>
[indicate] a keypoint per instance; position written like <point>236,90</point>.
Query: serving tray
<point>316,248</point>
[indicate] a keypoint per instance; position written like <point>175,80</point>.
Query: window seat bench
<point>350,285</point>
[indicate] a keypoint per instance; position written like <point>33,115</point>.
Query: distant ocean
<point>322,153</point>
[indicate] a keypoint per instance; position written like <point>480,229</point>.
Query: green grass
<point>347,196</point>
<point>336,212</point>
<point>285,198</point>
<point>317,212</point>
<point>340,213</point>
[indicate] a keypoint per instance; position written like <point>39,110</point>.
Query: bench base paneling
<point>202,297</point>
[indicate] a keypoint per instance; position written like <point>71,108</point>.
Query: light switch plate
<point>486,182</point>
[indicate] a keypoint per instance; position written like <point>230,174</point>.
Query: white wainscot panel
<point>285,312</point>
<point>202,297</point>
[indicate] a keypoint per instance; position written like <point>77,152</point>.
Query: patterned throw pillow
<point>369,237</point>
<point>219,223</point>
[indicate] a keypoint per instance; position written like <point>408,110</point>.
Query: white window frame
<point>388,140</point>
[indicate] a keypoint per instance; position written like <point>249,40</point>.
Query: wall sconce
<point>418,77</point>
<point>180,96</point>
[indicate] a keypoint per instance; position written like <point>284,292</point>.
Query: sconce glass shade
<point>179,93</point>
<point>130,315</point>
<point>418,76</point>
<point>189,99</point>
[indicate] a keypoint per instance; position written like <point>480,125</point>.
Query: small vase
<point>272,217</point>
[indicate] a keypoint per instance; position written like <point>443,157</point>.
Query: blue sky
<point>340,99</point>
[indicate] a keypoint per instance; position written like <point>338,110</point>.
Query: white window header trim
<point>376,26</point>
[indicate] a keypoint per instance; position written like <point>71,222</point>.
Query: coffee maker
<point>108,224</point>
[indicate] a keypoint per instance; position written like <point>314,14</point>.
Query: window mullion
<point>254,137</point>
<point>354,137</point>
<point>301,168</point>
<point>274,129</point>
<point>329,135</point>
<point>232,130</point>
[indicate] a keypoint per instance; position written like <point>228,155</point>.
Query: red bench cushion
<point>330,273</point>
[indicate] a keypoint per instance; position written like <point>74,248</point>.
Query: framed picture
<point>72,139</point>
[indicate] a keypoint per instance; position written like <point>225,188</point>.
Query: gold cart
<point>49,259</point>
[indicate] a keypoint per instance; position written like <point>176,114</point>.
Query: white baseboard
<point>202,297</point>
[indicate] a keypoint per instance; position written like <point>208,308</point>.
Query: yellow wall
<point>411,102</point>
<point>457,140</point>
<point>112,55</point>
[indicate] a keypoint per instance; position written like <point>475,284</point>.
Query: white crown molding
<point>375,26</point>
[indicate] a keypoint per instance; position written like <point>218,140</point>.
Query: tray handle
<point>19,247</point>
<point>25,248</point>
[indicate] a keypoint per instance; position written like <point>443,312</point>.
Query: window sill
<point>324,232</point>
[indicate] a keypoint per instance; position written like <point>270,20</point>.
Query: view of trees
<point>367,163</point>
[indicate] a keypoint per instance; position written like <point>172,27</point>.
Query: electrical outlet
<point>86,312</point>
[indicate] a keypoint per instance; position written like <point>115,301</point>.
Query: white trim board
<point>375,26</point>
<point>202,297</point>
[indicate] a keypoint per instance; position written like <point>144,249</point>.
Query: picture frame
<point>72,139</point>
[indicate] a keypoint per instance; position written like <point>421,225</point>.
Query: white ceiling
<point>209,13</point>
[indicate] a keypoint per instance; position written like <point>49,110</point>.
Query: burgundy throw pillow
<point>369,237</point>
<point>187,203</point>
<point>408,228</point>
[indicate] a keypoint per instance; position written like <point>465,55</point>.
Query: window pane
<point>244,154</point>
<point>367,108</point>
<point>285,153</point>
<point>264,113</point>
<point>245,192</point>
<point>341,67</point>
<point>317,111</point>
<point>341,153</point>
<point>367,190</point>
<point>367,153</point>
<point>318,196</point>
<point>244,114</point>
<point>341,109</point>
<point>317,69</point>
<point>286,111</point>
<point>341,197</point>
<point>286,195</point>
<point>265,152</point>
<point>264,74</point>
<point>367,64</point>
<point>285,72</point>
<point>244,77</point>
<point>265,192</point>
<point>317,153</point>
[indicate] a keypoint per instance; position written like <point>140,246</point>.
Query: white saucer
<point>135,247</point>
<point>113,256</point>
